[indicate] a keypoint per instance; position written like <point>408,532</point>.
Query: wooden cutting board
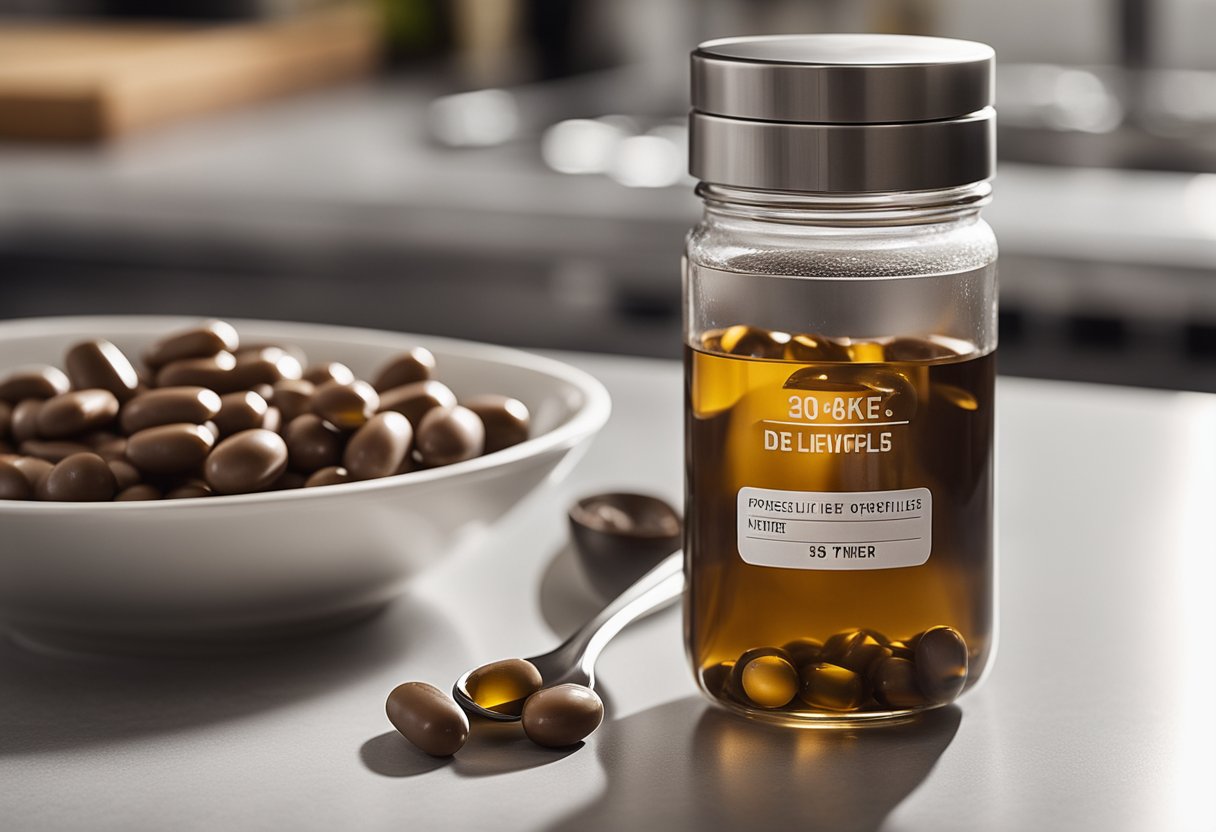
<point>85,82</point>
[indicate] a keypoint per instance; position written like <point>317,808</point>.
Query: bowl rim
<point>583,423</point>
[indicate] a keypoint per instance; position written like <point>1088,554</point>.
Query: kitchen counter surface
<point>1097,713</point>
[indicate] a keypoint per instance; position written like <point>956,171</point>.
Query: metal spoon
<point>574,660</point>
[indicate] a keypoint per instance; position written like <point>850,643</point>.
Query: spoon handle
<point>657,588</point>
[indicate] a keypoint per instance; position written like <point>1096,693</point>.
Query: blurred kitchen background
<point>513,170</point>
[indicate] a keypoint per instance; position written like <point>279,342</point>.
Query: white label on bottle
<point>835,530</point>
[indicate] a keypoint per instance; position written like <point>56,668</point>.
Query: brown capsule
<point>753,341</point>
<point>243,410</point>
<point>293,350</point>
<point>330,475</point>
<point>246,462</point>
<point>189,490</point>
<point>894,684</point>
<point>716,677</point>
<point>125,474</point>
<point>37,382</point>
<point>204,341</point>
<point>506,420</point>
<point>80,478</point>
<point>268,365</point>
<point>814,348</point>
<point>449,435</point>
<point>288,481</point>
<point>52,450</point>
<point>428,717</point>
<point>76,412</point>
<point>378,448</point>
<point>332,371</point>
<point>941,664</point>
<point>831,687</point>
<point>857,650</point>
<point>168,405</point>
<point>273,420</point>
<point>33,468</point>
<point>213,372</point>
<point>13,484</point>
<point>916,349</point>
<point>503,686</point>
<point>170,449</point>
<point>6,418</point>
<point>266,391</point>
<point>414,401</point>
<point>139,492</point>
<point>293,397</point>
<point>101,365</point>
<point>563,715</point>
<point>900,650</point>
<point>804,651</point>
<point>111,448</point>
<point>25,420</point>
<point>346,406</point>
<point>417,364</point>
<point>766,676</point>
<point>313,443</point>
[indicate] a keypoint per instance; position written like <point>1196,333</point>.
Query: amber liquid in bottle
<point>807,414</point>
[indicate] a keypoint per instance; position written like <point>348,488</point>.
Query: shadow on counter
<point>687,765</point>
<point>51,701</point>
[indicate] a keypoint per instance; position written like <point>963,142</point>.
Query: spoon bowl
<point>573,661</point>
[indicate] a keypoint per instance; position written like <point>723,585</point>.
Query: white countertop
<point>1097,713</point>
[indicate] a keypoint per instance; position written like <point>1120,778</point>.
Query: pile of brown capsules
<point>854,670</point>
<point>556,717</point>
<point>207,415</point>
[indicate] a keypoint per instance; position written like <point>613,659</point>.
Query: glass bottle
<point>840,337</point>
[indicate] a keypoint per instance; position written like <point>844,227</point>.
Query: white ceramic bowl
<point>257,565</point>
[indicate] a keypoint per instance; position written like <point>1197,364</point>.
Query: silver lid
<point>842,113</point>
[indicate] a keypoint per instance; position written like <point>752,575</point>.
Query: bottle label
<point>835,530</point>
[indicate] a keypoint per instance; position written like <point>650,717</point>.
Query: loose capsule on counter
<point>562,715</point>
<point>312,443</point>
<point>76,412</point>
<point>13,483</point>
<point>38,382</point>
<point>428,718</point>
<point>506,420</point>
<point>246,462</point>
<point>940,657</point>
<point>168,405</point>
<point>449,435</point>
<point>170,449</point>
<point>831,687</point>
<point>347,406</point>
<point>379,447</point>
<point>208,339</point>
<point>243,410</point>
<point>414,401</point>
<point>101,365</point>
<point>503,686</point>
<point>766,676</point>
<point>82,477</point>
<point>417,364</point>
